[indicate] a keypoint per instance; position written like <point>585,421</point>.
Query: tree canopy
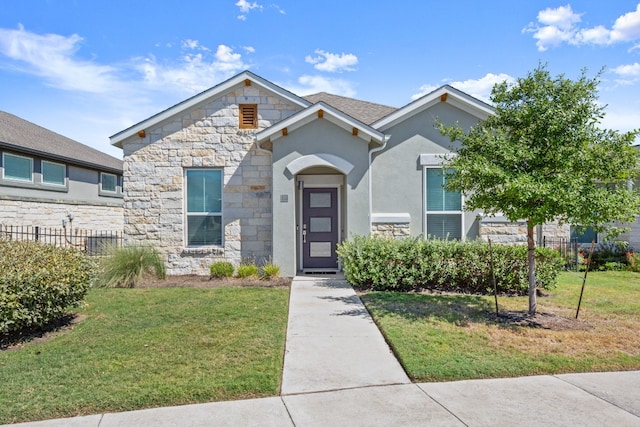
<point>543,157</point>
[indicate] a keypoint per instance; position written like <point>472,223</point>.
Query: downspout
<point>385,139</point>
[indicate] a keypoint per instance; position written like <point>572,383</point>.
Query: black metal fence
<point>568,249</point>
<point>93,242</point>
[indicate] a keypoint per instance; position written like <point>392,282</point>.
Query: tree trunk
<point>531,255</point>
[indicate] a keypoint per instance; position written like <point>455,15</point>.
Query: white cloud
<point>562,17</point>
<point>627,74</point>
<point>307,85</point>
<point>596,35</point>
<point>246,7</point>
<point>478,88</point>
<point>52,57</point>
<point>627,27</point>
<point>631,70</point>
<point>561,25</point>
<point>194,72</point>
<point>332,62</point>
<point>249,49</point>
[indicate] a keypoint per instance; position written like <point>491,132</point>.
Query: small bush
<point>609,255</point>
<point>39,283</point>
<point>633,262</point>
<point>221,269</point>
<point>247,270</point>
<point>387,264</point>
<point>124,267</point>
<point>269,271</point>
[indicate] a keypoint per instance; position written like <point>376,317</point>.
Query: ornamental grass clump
<point>221,269</point>
<point>124,267</point>
<point>269,271</point>
<point>39,283</point>
<point>247,270</point>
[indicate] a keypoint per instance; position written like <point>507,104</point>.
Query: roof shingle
<point>364,111</point>
<point>25,136</point>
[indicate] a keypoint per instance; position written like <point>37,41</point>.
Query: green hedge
<point>386,264</point>
<point>38,283</point>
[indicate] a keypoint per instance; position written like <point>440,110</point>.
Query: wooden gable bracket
<point>443,97</point>
<point>320,114</point>
<point>354,131</point>
<point>285,132</point>
<point>247,82</point>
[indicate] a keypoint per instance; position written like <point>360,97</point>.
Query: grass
<point>454,337</point>
<point>140,348</point>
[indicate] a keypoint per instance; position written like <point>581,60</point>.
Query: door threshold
<point>320,272</point>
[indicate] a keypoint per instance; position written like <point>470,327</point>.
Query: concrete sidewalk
<point>338,371</point>
<point>332,341</point>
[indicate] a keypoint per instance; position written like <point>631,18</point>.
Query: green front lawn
<point>454,337</point>
<point>140,348</point>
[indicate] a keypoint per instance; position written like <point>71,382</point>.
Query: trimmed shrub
<point>221,269</point>
<point>39,283</point>
<point>269,271</point>
<point>386,264</point>
<point>124,267</point>
<point>247,270</point>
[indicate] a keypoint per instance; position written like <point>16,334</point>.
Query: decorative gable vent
<point>248,116</point>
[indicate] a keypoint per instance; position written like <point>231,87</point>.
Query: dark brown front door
<point>319,228</point>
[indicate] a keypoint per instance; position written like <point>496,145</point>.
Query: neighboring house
<point>249,170</point>
<point>46,177</point>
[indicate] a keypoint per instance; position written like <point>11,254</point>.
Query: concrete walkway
<point>338,371</point>
<point>332,342</point>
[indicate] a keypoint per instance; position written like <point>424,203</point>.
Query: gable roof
<point>208,94</point>
<point>444,93</point>
<point>364,111</point>
<point>321,111</point>
<point>23,136</point>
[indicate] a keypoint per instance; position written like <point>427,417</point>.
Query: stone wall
<point>50,214</point>
<point>393,230</point>
<point>500,230</point>
<point>205,136</point>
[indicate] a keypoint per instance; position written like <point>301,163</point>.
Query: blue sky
<point>90,68</point>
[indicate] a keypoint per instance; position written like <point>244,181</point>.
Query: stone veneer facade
<point>204,136</point>
<point>499,230</point>
<point>22,213</point>
<point>392,230</point>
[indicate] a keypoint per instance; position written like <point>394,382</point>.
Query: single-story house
<point>249,170</point>
<point>45,178</point>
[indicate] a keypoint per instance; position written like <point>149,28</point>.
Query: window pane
<point>584,235</point>
<point>108,182</point>
<point>204,191</point>
<point>204,230</point>
<point>53,173</point>
<point>16,167</point>
<point>437,198</point>
<point>444,226</point>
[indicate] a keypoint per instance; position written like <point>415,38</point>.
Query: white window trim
<point>64,166</point>
<point>4,163</point>
<point>427,212</point>
<point>101,182</point>
<point>187,214</point>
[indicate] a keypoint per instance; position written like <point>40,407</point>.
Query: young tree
<point>542,157</point>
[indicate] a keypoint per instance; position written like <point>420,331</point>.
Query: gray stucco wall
<point>319,136</point>
<point>397,175</point>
